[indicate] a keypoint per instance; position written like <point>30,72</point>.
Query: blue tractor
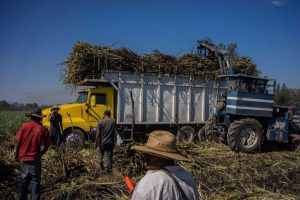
<point>245,116</point>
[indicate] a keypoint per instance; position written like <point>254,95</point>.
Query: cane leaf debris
<point>219,173</point>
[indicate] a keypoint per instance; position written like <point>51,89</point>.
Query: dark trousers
<point>108,148</point>
<point>30,171</point>
<point>55,138</point>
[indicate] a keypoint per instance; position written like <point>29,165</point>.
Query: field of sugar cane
<point>219,172</point>
<point>10,121</point>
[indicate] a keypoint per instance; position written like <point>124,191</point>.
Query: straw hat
<point>36,112</point>
<point>55,107</point>
<point>161,144</point>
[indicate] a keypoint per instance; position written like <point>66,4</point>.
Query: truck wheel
<point>294,143</point>
<point>75,138</point>
<point>211,130</point>
<point>185,134</point>
<point>245,135</point>
<point>201,134</point>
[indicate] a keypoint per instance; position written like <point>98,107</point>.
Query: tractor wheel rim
<point>248,136</point>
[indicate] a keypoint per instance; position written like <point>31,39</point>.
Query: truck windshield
<point>82,97</point>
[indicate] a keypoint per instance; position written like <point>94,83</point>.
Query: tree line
<point>4,105</point>
<point>285,96</point>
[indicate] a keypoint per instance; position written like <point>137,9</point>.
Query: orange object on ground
<point>128,184</point>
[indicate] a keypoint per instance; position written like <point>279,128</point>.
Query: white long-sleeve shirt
<point>157,185</point>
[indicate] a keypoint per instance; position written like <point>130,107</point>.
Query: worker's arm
<point>61,125</point>
<point>97,139</point>
<point>44,149</point>
<point>18,142</point>
<point>17,147</point>
<point>97,136</point>
<point>50,117</point>
<point>46,142</point>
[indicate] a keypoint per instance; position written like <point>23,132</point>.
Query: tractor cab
<point>249,95</point>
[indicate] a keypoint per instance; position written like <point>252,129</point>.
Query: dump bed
<point>161,99</point>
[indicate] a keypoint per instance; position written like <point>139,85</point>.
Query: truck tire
<point>201,134</point>
<point>245,135</point>
<point>211,130</point>
<point>294,143</point>
<point>75,138</point>
<point>185,134</point>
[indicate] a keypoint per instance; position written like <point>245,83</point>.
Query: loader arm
<point>207,48</point>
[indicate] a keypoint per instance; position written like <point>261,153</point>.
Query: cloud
<point>279,3</point>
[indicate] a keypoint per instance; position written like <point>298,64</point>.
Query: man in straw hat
<point>164,180</point>
<point>32,141</point>
<point>56,126</point>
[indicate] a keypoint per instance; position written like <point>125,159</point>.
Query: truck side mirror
<point>93,101</point>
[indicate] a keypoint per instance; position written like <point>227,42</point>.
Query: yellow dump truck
<point>79,118</point>
<point>140,103</point>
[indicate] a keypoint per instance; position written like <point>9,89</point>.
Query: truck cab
<point>82,116</point>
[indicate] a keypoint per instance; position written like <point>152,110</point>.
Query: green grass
<point>10,122</point>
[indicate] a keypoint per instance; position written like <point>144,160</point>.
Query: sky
<point>36,36</point>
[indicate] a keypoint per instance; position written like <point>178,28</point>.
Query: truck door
<point>98,106</point>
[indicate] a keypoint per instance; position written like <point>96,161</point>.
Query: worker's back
<point>31,136</point>
<point>107,128</point>
<point>158,185</point>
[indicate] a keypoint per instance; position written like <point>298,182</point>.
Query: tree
<point>281,97</point>
<point>4,105</point>
<point>285,96</point>
<point>29,105</point>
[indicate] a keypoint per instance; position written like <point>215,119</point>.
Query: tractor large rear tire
<point>294,143</point>
<point>185,134</point>
<point>245,135</point>
<point>211,129</point>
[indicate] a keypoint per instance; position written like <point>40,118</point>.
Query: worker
<point>32,141</point>
<point>290,113</point>
<point>105,139</point>
<point>164,179</point>
<point>56,126</point>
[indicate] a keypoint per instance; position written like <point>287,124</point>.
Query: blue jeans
<point>108,148</point>
<point>30,171</point>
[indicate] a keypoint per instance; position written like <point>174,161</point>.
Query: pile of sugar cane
<point>88,61</point>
